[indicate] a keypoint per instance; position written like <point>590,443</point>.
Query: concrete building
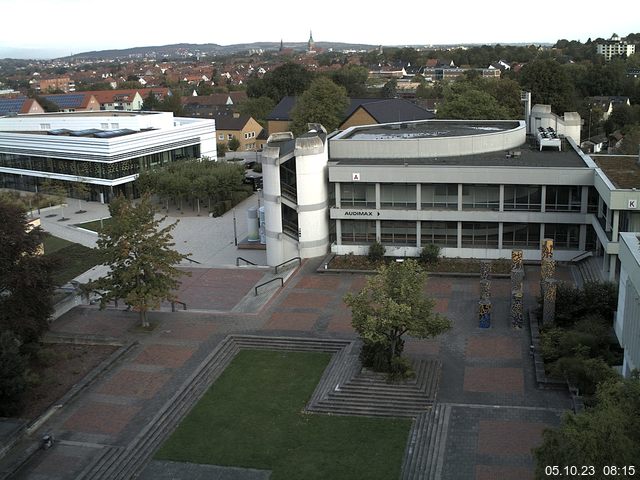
<point>105,150</point>
<point>477,189</point>
<point>627,320</point>
<point>615,46</point>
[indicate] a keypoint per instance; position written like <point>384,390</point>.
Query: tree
<point>81,189</point>
<point>26,287</point>
<point>353,78</point>
<point>607,434</point>
<point>221,149</point>
<point>324,102</point>
<point>258,108</point>
<point>140,256</point>
<point>465,102</point>
<point>549,84</point>
<point>150,102</point>
<point>393,304</point>
<point>13,367</point>
<point>233,144</point>
<point>287,79</point>
<point>172,103</point>
<point>390,89</point>
<point>631,141</point>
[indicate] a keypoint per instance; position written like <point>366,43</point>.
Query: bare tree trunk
<point>143,318</point>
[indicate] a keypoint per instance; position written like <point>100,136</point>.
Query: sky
<point>51,28</point>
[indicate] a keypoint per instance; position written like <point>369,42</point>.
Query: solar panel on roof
<point>71,100</point>
<point>114,133</point>
<point>85,133</point>
<point>59,131</point>
<point>11,105</point>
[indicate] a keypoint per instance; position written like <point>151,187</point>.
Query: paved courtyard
<point>497,413</point>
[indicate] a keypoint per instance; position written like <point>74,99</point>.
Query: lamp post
<point>235,231</point>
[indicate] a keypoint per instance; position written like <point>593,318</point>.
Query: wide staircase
<point>590,270</point>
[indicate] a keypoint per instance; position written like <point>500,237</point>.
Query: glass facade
<point>563,199</point>
<point>443,234</point>
<point>523,197</point>
<point>439,196</point>
<point>521,235</point>
<point>104,170</point>
<point>479,235</point>
<point>396,232</point>
<point>398,195</point>
<point>356,232</point>
<point>564,236</point>
<point>288,182</point>
<point>481,197</point>
<point>358,195</point>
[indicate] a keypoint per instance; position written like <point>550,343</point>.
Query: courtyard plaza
<point>495,414</point>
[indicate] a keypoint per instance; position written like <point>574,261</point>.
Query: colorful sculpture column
<point>548,286</point>
<point>484,304</point>
<point>517,291</point>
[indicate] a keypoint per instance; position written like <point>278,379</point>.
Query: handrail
<point>173,305</point>
<point>244,260</point>
<point>266,283</point>
<point>581,256</point>
<point>287,261</point>
<point>193,261</point>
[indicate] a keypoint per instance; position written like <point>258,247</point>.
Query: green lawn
<point>253,417</point>
<point>94,225</point>
<point>72,258</point>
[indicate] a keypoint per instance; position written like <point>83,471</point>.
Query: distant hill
<point>211,49</point>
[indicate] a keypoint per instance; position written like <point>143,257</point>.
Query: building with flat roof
<point>477,189</point>
<point>614,47</point>
<point>104,149</point>
<point>627,319</point>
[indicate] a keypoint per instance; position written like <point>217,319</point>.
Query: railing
<point>266,283</point>
<point>173,305</point>
<point>249,262</point>
<point>581,256</point>
<point>288,261</point>
<point>193,261</point>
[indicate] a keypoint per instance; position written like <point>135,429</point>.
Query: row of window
<point>474,197</point>
<point>84,168</point>
<point>445,234</point>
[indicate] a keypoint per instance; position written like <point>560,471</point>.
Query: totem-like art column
<point>484,304</point>
<point>517,291</point>
<point>548,286</point>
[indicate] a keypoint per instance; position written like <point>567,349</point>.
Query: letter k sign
<point>632,204</point>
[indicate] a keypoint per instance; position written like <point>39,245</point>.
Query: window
<point>479,235</point>
<point>439,196</point>
<point>357,195</point>
<point>115,126</point>
<point>398,232</point>
<point>45,126</point>
<point>104,126</point>
<point>521,235</point>
<point>398,195</point>
<point>522,197</point>
<point>443,234</point>
<point>480,197</point>
<point>564,236</point>
<point>563,199</point>
<point>230,136</point>
<point>358,232</point>
<point>221,136</point>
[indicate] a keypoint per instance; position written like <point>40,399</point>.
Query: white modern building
<point>104,149</point>
<point>477,189</point>
<point>615,46</point>
<point>627,321</point>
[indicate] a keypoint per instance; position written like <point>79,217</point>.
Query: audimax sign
<point>361,213</point>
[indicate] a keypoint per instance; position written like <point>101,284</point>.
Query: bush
<point>574,304</point>
<point>376,252</point>
<point>430,254</point>
<point>257,167</point>
<point>377,357</point>
<point>583,373</point>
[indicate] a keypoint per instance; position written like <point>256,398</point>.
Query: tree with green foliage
<point>258,108</point>
<point>141,258</point>
<point>605,435</point>
<point>172,103</point>
<point>233,144</point>
<point>390,89</point>
<point>287,79</point>
<point>221,149</point>
<point>549,84</point>
<point>631,141</point>
<point>26,287</point>
<point>150,102</point>
<point>324,102</point>
<point>13,369</point>
<point>391,305</point>
<point>353,78</point>
<point>463,101</point>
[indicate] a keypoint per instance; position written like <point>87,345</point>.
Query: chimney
<point>236,115</point>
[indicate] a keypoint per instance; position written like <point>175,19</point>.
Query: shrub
<point>583,373</point>
<point>430,254</point>
<point>376,252</point>
<point>257,167</point>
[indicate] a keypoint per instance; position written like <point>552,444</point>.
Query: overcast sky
<point>47,28</point>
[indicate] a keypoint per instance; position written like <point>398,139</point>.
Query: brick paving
<point>497,414</point>
<point>493,380</point>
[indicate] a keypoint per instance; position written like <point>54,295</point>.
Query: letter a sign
<point>355,177</point>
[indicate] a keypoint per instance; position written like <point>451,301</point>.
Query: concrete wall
<point>568,125</point>
<point>627,320</point>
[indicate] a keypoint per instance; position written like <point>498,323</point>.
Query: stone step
<point>374,395</point>
<point>413,452</point>
<point>376,402</point>
<point>103,462</point>
<point>368,411</point>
